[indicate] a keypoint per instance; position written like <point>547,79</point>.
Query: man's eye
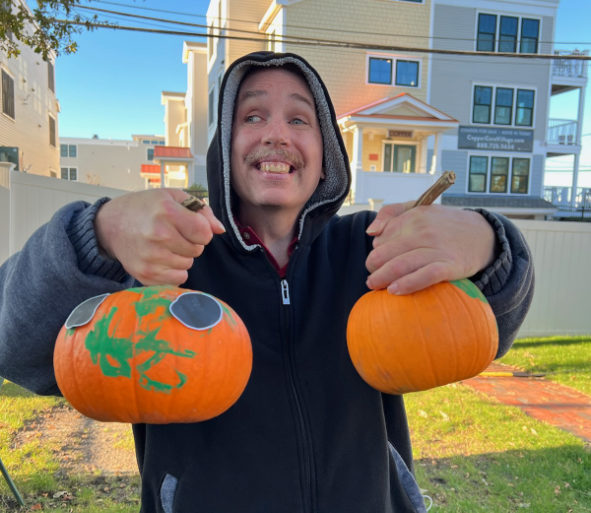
<point>298,121</point>
<point>253,118</point>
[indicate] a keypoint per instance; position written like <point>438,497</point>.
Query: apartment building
<point>407,113</point>
<point>110,162</point>
<point>501,102</point>
<point>29,113</point>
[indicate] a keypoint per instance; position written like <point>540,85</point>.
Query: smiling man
<point>308,435</point>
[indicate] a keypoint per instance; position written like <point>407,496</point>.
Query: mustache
<point>262,154</point>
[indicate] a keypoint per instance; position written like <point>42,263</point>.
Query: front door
<point>399,158</point>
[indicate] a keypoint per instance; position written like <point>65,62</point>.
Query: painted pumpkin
<point>153,355</point>
<point>414,342</point>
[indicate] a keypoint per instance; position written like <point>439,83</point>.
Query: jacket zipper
<point>308,480</point>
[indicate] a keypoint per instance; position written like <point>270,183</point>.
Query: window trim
<point>497,35</point>
<point>512,157</point>
<point>52,134</point>
<point>69,171</point>
<point>11,77</point>
<point>514,109</point>
<point>393,75</point>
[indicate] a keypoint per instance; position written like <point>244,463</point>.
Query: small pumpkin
<point>433,337</point>
<point>155,355</point>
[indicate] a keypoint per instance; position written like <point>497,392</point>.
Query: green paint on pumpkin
<point>469,288</point>
<point>114,355</point>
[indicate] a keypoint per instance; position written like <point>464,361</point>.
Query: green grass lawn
<point>566,360</point>
<point>472,454</point>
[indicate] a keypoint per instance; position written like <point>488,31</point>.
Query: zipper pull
<point>285,292</point>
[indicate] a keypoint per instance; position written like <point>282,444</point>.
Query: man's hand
<point>153,236</point>
<point>418,247</point>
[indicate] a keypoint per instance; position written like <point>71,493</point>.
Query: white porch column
<point>573,199</point>
<point>356,162</point>
<point>162,174</point>
<point>435,153</point>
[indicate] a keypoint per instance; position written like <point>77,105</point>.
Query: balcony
<point>568,74</point>
<point>561,137</point>
<point>561,197</point>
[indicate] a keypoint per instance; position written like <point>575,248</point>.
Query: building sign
<point>399,133</point>
<point>494,138</point>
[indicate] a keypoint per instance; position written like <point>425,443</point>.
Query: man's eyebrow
<point>254,93</point>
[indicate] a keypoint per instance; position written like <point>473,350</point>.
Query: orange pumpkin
<point>414,342</point>
<point>153,355</point>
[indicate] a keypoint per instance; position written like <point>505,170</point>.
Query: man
<point>307,434</point>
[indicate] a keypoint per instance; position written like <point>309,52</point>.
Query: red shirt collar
<point>250,236</point>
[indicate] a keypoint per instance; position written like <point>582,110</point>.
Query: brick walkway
<point>544,400</point>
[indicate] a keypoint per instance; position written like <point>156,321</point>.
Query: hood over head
<point>331,191</point>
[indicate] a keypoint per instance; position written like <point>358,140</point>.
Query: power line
<point>304,41</point>
<point>326,29</point>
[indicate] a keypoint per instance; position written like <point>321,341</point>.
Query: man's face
<point>276,143</point>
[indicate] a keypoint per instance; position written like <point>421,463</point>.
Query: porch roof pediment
<point>400,109</point>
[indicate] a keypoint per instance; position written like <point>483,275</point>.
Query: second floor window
<point>508,34</point>
<point>390,71</point>
<point>150,155</point>
<point>7,94</point>
<point>510,106</point>
<point>380,71</point>
<point>68,150</point>
<point>50,76</point>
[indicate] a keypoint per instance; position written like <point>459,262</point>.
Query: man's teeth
<point>274,167</point>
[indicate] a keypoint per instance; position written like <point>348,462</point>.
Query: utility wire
<point>325,29</point>
<point>302,41</point>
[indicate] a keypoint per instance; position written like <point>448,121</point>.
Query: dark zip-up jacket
<point>308,435</point>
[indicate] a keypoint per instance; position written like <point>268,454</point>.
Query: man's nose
<point>276,133</point>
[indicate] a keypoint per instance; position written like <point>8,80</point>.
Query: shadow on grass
<point>61,493</point>
<point>8,389</point>
<point>542,481</point>
<point>552,341</point>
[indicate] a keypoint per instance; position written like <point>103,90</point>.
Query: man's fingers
<point>386,213</point>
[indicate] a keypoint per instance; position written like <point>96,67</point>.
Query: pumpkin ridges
<point>400,344</point>
<point>168,347</point>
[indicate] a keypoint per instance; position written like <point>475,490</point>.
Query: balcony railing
<point>569,68</point>
<point>561,197</point>
<point>562,131</point>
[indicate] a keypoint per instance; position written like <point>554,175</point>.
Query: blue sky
<point>111,86</point>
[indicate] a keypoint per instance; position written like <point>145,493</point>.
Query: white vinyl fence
<point>561,250</point>
<point>562,263</point>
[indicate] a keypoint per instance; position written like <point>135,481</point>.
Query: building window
<point>520,176</point>
<point>508,34</point>
<point>7,94</point>
<point>399,158</point>
<point>69,173</point>
<point>482,104</point>
<point>530,31</point>
<point>499,172</point>
<point>503,106</point>
<point>52,131</point>
<point>150,155</point>
<point>502,35</point>
<point>506,101</point>
<point>524,112</point>
<point>68,150</point>
<point>487,29</point>
<point>407,73</point>
<point>9,154</point>
<point>380,71</point>
<point>502,171</point>
<point>477,174</point>
<point>50,76</point>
